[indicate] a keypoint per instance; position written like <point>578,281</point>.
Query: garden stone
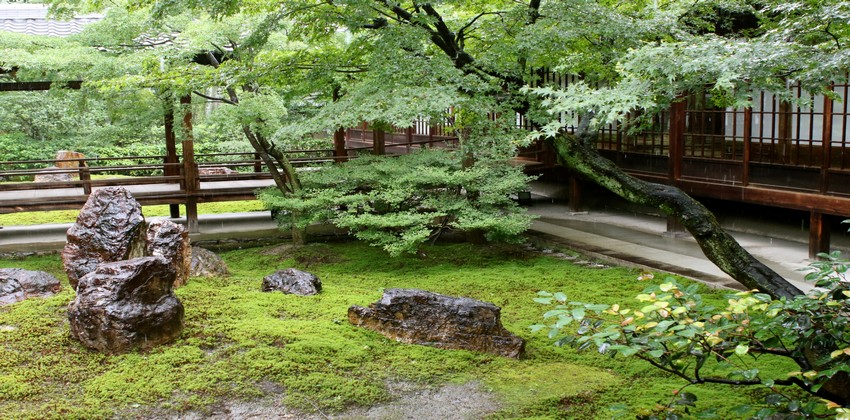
<point>53,174</point>
<point>206,263</point>
<point>420,317</point>
<point>70,159</point>
<point>108,229</point>
<point>17,284</point>
<point>292,281</point>
<point>126,304</point>
<point>170,240</point>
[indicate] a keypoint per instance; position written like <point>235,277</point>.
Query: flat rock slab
<point>17,284</point>
<point>420,317</point>
<point>292,281</point>
<point>125,305</point>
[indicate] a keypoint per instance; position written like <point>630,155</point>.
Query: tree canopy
<point>299,67</point>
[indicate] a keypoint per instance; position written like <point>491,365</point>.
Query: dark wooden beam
<point>36,86</point>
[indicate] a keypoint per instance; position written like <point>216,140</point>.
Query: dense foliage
<point>676,331</point>
<point>400,202</point>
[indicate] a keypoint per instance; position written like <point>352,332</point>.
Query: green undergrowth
<point>240,344</point>
<point>70,216</point>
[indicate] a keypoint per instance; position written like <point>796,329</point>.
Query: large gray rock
<point>108,229</point>
<point>125,305</point>
<point>206,263</point>
<point>170,240</point>
<point>17,284</point>
<point>292,281</point>
<point>431,319</point>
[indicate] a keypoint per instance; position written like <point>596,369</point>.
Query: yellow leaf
<point>666,287</point>
<point>836,353</point>
<point>811,374</point>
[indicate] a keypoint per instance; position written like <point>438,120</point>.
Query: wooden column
<point>378,140</point>
<point>575,202</point>
<point>819,228</point>
<point>748,140</point>
<point>826,144</point>
<point>783,145</point>
<point>340,154</point>
<point>190,168</point>
<point>171,158</point>
<point>677,140</point>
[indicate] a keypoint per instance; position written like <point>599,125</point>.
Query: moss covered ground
<point>239,343</point>
<point>69,216</point>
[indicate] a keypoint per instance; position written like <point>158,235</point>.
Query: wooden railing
<point>211,176</point>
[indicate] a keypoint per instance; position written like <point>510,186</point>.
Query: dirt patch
<point>452,401</point>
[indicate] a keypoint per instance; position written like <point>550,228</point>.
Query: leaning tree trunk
<point>579,153</point>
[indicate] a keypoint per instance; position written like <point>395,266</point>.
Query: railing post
<point>85,176</point>
<point>409,134</point>
<point>258,164</point>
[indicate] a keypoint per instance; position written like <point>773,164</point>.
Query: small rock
<point>18,284</point>
<point>216,170</point>
<point>170,240</point>
<point>292,281</point>
<point>206,263</point>
<point>126,304</point>
<point>431,319</point>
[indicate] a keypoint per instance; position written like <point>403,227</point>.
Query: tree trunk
<point>579,153</point>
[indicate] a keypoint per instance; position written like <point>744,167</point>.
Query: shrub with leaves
<point>401,202</point>
<point>739,345</point>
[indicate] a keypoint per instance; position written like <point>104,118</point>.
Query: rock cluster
<point>431,319</point>
<point>292,281</point>
<point>17,284</point>
<point>124,274</point>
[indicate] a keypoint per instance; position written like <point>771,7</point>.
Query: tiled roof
<point>32,19</point>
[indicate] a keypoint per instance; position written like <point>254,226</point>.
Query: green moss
<point>69,216</point>
<point>238,342</point>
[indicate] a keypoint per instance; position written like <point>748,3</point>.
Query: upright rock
<point>108,229</point>
<point>126,304</point>
<point>292,281</point>
<point>68,159</point>
<point>206,263</point>
<point>419,317</point>
<point>170,240</point>
<point>17,284</point>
